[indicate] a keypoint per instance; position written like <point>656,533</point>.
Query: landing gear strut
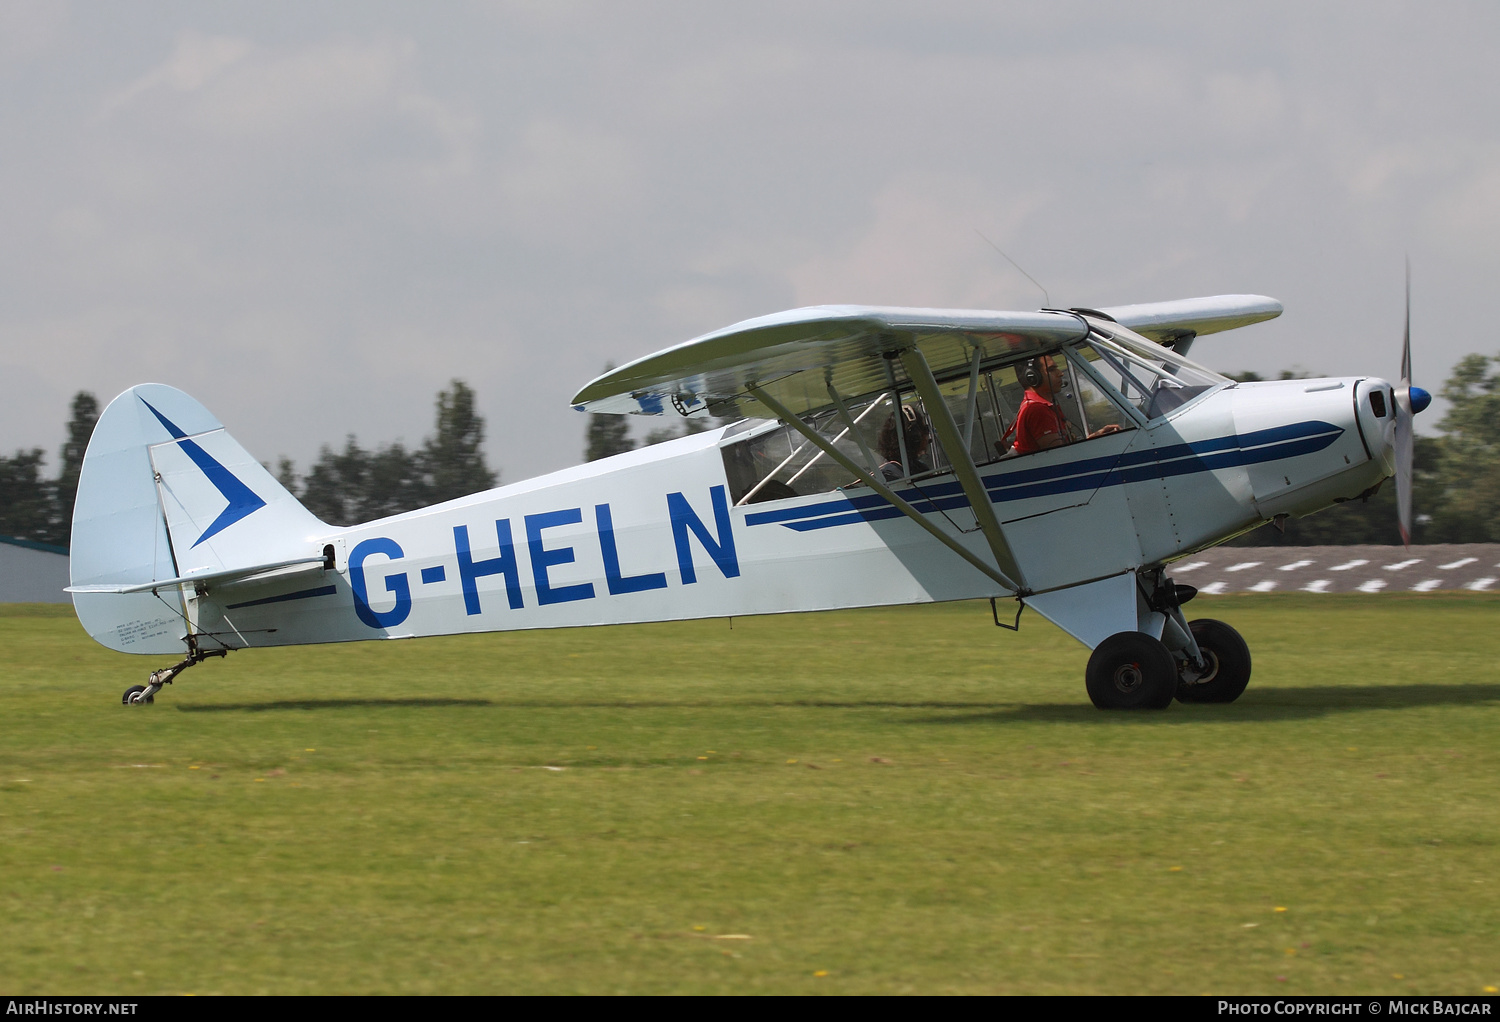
<point>135,695</point>
<point>1213,662</point>
<point>1203,661</point>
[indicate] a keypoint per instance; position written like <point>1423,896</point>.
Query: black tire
<point>128,699</point>
<point>1131,671</point>
<point>1229,664</point>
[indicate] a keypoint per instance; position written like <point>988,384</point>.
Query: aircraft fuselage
<point>652,535</point>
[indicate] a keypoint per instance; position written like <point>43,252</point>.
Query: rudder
<point>165,492</point>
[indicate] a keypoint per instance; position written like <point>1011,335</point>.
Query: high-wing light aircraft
<point>876,460</point>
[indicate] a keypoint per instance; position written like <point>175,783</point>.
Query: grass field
<point>871,801</point>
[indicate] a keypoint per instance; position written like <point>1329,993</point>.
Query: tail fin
<point>165,493</point>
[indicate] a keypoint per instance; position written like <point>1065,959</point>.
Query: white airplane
<point>1131,457</point>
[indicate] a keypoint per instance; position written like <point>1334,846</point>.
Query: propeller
<point>1409,401</point>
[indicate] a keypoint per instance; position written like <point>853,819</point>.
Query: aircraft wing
<point>794,356</point>
<point>1171,323</point>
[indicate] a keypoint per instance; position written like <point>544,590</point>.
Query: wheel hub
<point>1193,676</point>
<point>1128,677</point>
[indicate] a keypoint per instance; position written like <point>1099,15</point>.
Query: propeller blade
<point>1403,463</point>
<point>1406,334</point>
<point>1404,426</point>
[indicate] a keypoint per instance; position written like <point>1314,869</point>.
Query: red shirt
<point>1037,420</point>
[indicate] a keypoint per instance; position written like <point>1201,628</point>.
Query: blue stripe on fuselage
<point>1262,445</point>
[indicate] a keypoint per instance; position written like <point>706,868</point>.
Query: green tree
<point>355,485</point>
<point>607,435</point>
<point>1250,376</point>
<point>28,508</point>
<point>334,488</point>
<point>454,455</point>
<point>37,508</point>
<point>662,434</point>
<point>286,474</point>
<point>80,430</point>
<point>395,480</point>
<point>682,428</point>
<point>1466,508</point>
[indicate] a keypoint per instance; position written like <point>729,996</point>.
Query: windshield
<point>1149,376</point>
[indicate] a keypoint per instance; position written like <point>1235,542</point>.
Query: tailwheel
<point>135,695</point>
<point>1228,665</point>
<point>1131,671</point>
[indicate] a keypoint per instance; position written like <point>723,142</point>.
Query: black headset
<point>1030,373</point>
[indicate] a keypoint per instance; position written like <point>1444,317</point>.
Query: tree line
<point>353,485</point>
<point>1456,490</point>
<point>33,507</point>
<point>342,487</point>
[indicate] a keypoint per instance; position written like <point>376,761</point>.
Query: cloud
<point>29,29</point>
<point>313,216</point>
<point>564,182</point>
<point>234,89</point>
<point>195,60</point>
<point>923,247</point>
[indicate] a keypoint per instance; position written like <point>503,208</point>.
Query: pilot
<point>917,442</point>
<point>1040,424</point>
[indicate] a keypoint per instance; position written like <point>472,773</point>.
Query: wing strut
<point>961,459</point>
<point>864,476</point>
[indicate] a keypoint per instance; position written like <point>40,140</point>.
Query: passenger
<point>917,442</point>
<point>1040,424</point>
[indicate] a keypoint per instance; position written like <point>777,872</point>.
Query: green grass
<point>905,800</point>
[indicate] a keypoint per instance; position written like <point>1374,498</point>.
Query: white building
<point>32,572</point>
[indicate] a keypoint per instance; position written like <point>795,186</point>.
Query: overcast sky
<point>312,216</point>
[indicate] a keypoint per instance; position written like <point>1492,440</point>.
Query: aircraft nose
<point>1375,411</point>
<point>1420,399</point>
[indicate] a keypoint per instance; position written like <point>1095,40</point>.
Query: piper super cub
<point>1060,458</point>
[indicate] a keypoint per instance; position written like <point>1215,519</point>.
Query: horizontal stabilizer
<point>215,579</point>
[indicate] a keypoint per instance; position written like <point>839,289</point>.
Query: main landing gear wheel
<point>1131,671</point>
<point>1228,665</point>
<point>137,694</point>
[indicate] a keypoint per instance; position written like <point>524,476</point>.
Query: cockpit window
<point>1151,378</point>
<point>777,462</point>
<point>1110,381</point>
<point>1095,407</point>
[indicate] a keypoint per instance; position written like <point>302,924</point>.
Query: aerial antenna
<point>1046,300</point>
